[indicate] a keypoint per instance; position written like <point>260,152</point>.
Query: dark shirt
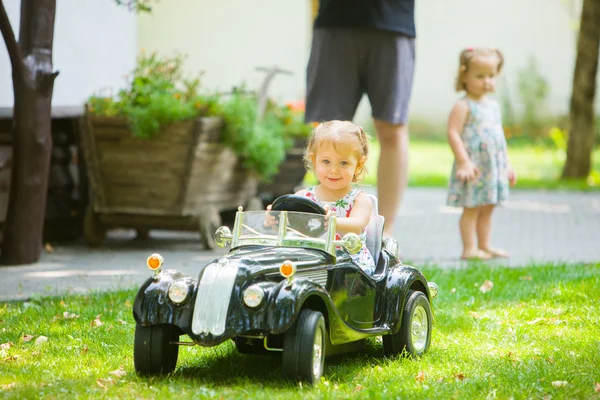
<point>387,15</point>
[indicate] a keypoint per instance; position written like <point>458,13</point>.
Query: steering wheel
<point>292,202</point>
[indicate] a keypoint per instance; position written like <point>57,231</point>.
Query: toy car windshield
<point>286,229</point>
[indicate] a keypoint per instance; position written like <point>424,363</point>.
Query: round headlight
<point>178,292</point>
<point>253,296</point>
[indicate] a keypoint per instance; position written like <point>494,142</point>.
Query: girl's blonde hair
<point>342,134</point>
<point>467,55</point>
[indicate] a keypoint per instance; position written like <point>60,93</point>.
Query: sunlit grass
<point>430,164</point>
<point>536,334</point>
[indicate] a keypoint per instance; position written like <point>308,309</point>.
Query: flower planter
<point>290,176</point>
<point>181,179</point>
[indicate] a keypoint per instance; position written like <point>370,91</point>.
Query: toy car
<point>288,287</point>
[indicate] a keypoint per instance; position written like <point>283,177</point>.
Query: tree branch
<point>14,51</point>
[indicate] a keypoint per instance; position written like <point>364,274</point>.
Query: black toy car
<point>286,287</point>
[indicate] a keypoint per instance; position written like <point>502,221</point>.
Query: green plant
<point>509,121</point>
<point>159,93</point>
<point>533,90</point>
<point>291,117</point>
<point>261,143</point>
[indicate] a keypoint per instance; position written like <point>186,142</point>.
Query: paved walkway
<point>534,226</point>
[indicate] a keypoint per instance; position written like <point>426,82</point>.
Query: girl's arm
<point>359,217</point>
<point>465,169</point>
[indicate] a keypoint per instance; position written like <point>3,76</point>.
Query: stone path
<point>534,226</point>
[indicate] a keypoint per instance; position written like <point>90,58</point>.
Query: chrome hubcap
<point>419,328</point>
<point>318,353</point>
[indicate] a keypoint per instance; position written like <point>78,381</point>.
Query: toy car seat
<point>375,230</point>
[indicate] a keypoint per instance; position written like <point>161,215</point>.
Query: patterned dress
<point>484,141</point>
<point>342,209</point>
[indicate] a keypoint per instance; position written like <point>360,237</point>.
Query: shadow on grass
<point>224,366</point>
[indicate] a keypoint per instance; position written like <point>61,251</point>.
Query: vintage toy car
<point>288,287</point>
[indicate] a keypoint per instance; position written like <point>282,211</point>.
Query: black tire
<point>304,348</point>
<point>153,353</point>
<point>93,231</point>
<point>414,336</point>
<point>250,346</point>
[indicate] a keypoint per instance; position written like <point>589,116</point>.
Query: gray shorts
<point>345,63</point>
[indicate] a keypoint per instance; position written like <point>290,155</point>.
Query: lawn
<point>536,334</point>
<point>537,167</point>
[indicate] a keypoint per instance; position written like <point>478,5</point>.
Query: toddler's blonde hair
<point>343,134</point>
<point>467,55</point>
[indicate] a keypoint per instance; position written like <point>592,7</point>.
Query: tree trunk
<point>581,134</point>
<point>33,81</point>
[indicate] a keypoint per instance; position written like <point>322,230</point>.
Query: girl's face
<point>334,168</point>
<point>480,79</point>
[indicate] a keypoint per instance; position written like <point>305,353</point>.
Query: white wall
<point>228,39</point>
<point>94,47</point>
<point>518,28</point>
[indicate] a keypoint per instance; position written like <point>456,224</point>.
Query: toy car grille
<point>318,276</point>
<point>212,300</point>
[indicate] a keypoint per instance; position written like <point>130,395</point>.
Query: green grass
<point>431,163</point>
<point>539,325</point>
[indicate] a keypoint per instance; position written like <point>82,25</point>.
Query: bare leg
<point>484,229</point>
<point>392,170</point>
<point>468,227</point>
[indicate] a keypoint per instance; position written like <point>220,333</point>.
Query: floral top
<point>484,141</point>
<point>342,209</point>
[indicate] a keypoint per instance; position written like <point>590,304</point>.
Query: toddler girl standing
<point>482,172</point>
<point>337,152</point>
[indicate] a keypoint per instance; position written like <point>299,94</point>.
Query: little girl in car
<point>337,152</point>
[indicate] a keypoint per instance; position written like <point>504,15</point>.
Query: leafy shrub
<point>291,117</point>
<point>262,144</point>
<point>159,94</point>
<point>534,90</point>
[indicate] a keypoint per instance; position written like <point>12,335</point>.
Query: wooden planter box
<point>290,176</point>
<point>181,179</point>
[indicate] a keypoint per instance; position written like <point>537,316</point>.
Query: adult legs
<point>484,229</point>
<point>392,170</point>
<point>388,75</point>
<point>468,229</point>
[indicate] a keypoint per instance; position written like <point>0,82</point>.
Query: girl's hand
<point>512,176</point>
<point>328,214</point>
<point>270,220</point>
<point>467,171</point>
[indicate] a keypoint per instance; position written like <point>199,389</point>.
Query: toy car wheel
<point>414,335</point>
<point>304,348</point>
<point>153,353</point>
<point>93,231</point>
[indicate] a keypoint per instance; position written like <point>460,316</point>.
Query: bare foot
<point>476,255</point>
<point>496,253</point>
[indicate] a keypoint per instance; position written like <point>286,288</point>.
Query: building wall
<point>520,29</point>
<point>228,39</point>
<point>94,47</point>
